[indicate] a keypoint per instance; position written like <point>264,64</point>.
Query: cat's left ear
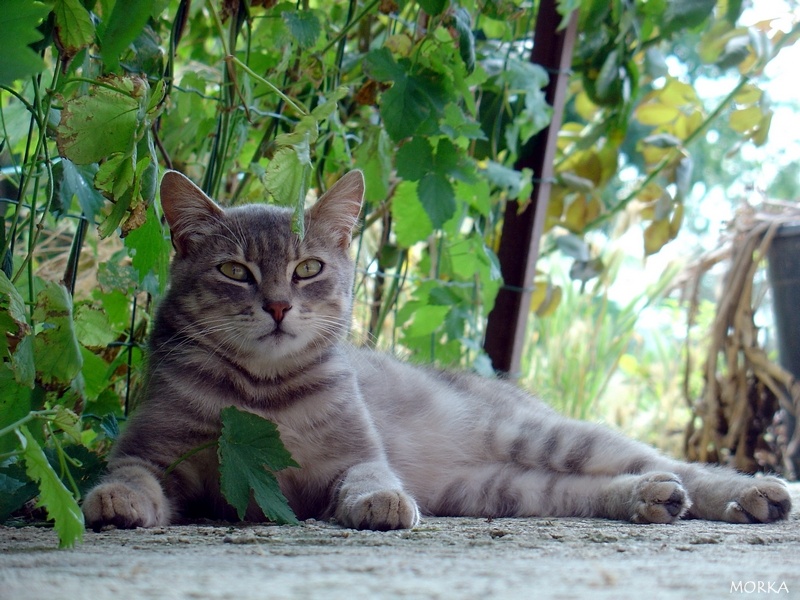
<point>337,209</point>
<point>189,212</point>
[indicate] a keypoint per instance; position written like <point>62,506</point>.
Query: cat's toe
<point>384,510</point>
<point>119,505</point>
<point>660,498</point>
<point>765,501</point>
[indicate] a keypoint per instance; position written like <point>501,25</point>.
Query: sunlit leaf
<point>654,113</point>
<point>250,453</point>
<point>745,119</point>
<point>411,222</point>
<point>426,320</point>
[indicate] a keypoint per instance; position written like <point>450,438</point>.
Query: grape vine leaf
<point>18,22</point>
<point>250,452</point>
<point>61,506</point>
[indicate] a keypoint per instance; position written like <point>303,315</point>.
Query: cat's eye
<point>236,271</point>
<point>308,268</point>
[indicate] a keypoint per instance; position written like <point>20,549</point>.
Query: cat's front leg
<point>372,497</point>
<point>129,497</point>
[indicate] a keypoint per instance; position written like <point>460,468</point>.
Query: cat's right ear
<point>189,212</point>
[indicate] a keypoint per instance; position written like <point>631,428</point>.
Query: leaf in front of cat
<point>250,452</point>
<point>53,495</point>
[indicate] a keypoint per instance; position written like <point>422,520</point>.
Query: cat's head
<point>245,286</point>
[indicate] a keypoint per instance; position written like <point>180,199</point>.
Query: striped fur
<point>378,441</point>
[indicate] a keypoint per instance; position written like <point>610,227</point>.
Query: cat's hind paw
<point>765,501</point>
<point>381,510</point>
<point>116,503</point>
<point>659,498</point>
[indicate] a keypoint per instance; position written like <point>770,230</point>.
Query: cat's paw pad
<point>659,498</point>
<point>115,503</point>
<point>764,501</point>
<point>383,510</point>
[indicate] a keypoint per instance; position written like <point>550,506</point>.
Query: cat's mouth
<point>276,334</point>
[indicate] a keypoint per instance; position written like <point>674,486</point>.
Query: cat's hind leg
<point>721,494</point>
<point>508,491</point>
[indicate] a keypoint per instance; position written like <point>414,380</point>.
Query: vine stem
<point>31,416</point>
<point>41,149</point>
<point>297,107</point>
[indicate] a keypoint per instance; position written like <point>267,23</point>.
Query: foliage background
<point>265,101</point>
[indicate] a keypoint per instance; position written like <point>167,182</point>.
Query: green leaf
<point>381,66</point>
<point>58,354</point>
<point>71,180</point>
<point>101,123</point>
<point>437,197</point>
<point>411,222</point>
<point>149,248</point>
<point>426,320</point>
<point>126,22</point>
<point>18,22</point>
<point>92,327</point>
<point>53,495</point>
<point>286,180</point>
<point>15,488</point>
<point>303,25</point>
<point>74,30</point>
<point>433,7</point>
<point>414,159</point>
<point>13,316</point>
<point>15,404</point>
<point>403,110</point>
<point>461,25</point>
<point>686,14</point>
<point>250,452</point>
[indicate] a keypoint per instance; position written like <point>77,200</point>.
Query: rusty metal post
<point>519,245</point>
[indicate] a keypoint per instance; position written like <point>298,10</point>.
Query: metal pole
<point>519,245</point>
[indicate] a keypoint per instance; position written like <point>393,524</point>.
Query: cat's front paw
<point>381,510</point>
<point>764,501</point>
<point>659,498</point>
<point>118,504</point>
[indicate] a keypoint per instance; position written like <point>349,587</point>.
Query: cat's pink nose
<point>277,309</point>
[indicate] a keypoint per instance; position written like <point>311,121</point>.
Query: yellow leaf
<point>656,114</point>
<point>761,133</point>
<point>676,221</point>
<point>593,209</point>
<point>749,94</point>
<point>584,106</point>
<point>679,94</point>
<point>745,119</point>
<point>655,236</point>
<point>575,218</point>
<point>539,295</point>
<point>551,301</point>
<point>555,208</point>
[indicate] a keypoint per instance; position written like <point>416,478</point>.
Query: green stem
<point>188,455</point>
<point>297,107</point>
<point>348,26</point>
<point>31,416</point>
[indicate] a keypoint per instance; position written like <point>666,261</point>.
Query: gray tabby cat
<point>257,318</point>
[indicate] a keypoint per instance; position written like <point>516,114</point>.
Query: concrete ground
<point>442,558</point>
